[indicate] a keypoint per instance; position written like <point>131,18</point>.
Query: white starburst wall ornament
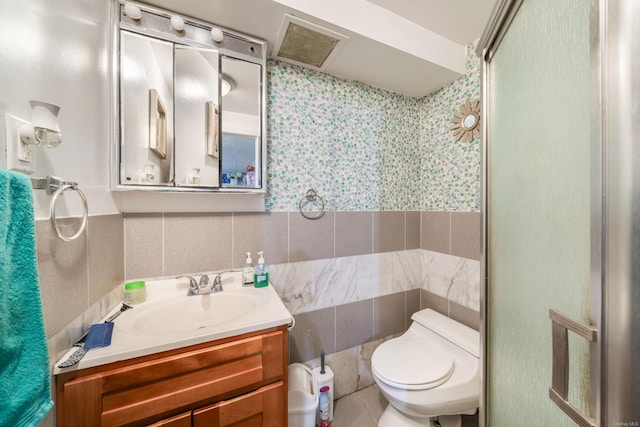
<point>466,122</point>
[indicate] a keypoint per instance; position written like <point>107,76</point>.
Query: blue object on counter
<point>24,372</point>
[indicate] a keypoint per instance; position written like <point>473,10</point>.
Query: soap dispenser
<point>261,277</point>
<point>247,280</point>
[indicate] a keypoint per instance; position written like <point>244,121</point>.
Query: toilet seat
<point>411,363</point>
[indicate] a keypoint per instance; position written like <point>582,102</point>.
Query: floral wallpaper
<point>449,169</point>
<point>363,148</point>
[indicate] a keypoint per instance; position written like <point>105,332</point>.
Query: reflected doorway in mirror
<point>211,131</point>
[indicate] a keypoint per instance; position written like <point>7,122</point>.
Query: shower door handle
<point>559,391</point>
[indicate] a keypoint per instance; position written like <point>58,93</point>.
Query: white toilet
<point>432,370</point>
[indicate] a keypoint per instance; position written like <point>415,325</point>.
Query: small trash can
<point>303,396</point>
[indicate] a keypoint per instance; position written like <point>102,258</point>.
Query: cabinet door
<point>261,408</point>
<point>182,420</point>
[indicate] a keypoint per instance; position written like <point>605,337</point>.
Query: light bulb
<point>216,34</point>
<point>177,23</point>
<point>132,11</point>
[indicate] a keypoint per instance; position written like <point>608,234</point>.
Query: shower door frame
<point>615,207</point>
<point>498,25</point>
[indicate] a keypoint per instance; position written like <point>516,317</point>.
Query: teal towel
<point>25,380</point>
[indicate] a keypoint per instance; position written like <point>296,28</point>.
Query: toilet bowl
<point>432,370</point>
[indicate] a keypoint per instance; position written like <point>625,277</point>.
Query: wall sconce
<point>21,135</point>
<point>43,129</point>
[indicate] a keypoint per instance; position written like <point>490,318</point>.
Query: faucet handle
<point>216,286</point>
<point>193,285</point>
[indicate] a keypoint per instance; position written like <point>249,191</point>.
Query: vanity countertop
<point>169,319</point>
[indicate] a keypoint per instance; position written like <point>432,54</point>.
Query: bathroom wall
<point>59,53</point>
<point>363,148</point>
<point>450,169</point>
<point>356,222</point>
<point>356,145</point>
<point>401,229</point>
<point>372,253</point>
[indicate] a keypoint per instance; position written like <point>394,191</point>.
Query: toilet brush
<point>323,376</point>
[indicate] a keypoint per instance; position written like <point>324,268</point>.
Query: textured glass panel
<point>538,205</point>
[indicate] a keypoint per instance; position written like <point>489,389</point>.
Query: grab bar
<point>57,186</point>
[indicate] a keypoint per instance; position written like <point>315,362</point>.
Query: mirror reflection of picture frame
<point>211,129</point>
<point>157,125</point>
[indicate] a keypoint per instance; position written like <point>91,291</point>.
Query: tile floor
<point>360,409</point>
<point>364,408</point>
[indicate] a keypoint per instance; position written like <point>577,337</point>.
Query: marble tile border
<point>453,278</point>
<point>314,285</point>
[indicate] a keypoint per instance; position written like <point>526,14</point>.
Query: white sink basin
<point>195,312</point>
<point>170,319</point>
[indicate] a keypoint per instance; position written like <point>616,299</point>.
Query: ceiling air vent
<point>303,43</point>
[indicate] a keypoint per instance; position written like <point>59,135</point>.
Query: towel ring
<point>52,209</point>
<point>311,197</point>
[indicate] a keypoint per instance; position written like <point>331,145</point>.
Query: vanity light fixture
<point>216,35</point>
<point>177,23</point>
<point>44,129</point>
<point>132,11</point>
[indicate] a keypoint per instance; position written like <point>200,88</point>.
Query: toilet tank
<point>463,336</point>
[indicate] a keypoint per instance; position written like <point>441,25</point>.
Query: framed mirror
<point>189,104</point>
<point>465,125</point>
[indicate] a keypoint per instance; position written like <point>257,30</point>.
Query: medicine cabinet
<point>189,104</point>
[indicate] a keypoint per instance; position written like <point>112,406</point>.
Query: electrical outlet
<point>19,155</point>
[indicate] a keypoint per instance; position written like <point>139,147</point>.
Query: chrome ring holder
<point>311,197</point>
<point>57,186</point>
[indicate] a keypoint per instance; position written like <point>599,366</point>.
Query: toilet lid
<point>411,363</point>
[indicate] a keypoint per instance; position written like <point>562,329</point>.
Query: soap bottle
<point>247,279</point>
<point>261,277</point>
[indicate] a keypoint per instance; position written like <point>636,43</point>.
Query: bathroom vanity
<point>176,360</point>
<point>217,383</point>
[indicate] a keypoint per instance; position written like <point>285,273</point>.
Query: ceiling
<point>412,47</point>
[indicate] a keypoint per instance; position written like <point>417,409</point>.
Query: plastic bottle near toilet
<point>323,377</point>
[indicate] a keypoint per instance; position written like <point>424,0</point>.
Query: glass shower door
<point>538,200</point>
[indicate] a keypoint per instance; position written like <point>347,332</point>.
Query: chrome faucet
<point>196,288</point>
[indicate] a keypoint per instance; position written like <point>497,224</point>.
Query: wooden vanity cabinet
<point>239,381</point>
<point>258,408</point>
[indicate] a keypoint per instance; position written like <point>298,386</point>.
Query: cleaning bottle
<point>323,376</point>
<point>247,279</point>
<point>324,407</point>
<point>261,277</point>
